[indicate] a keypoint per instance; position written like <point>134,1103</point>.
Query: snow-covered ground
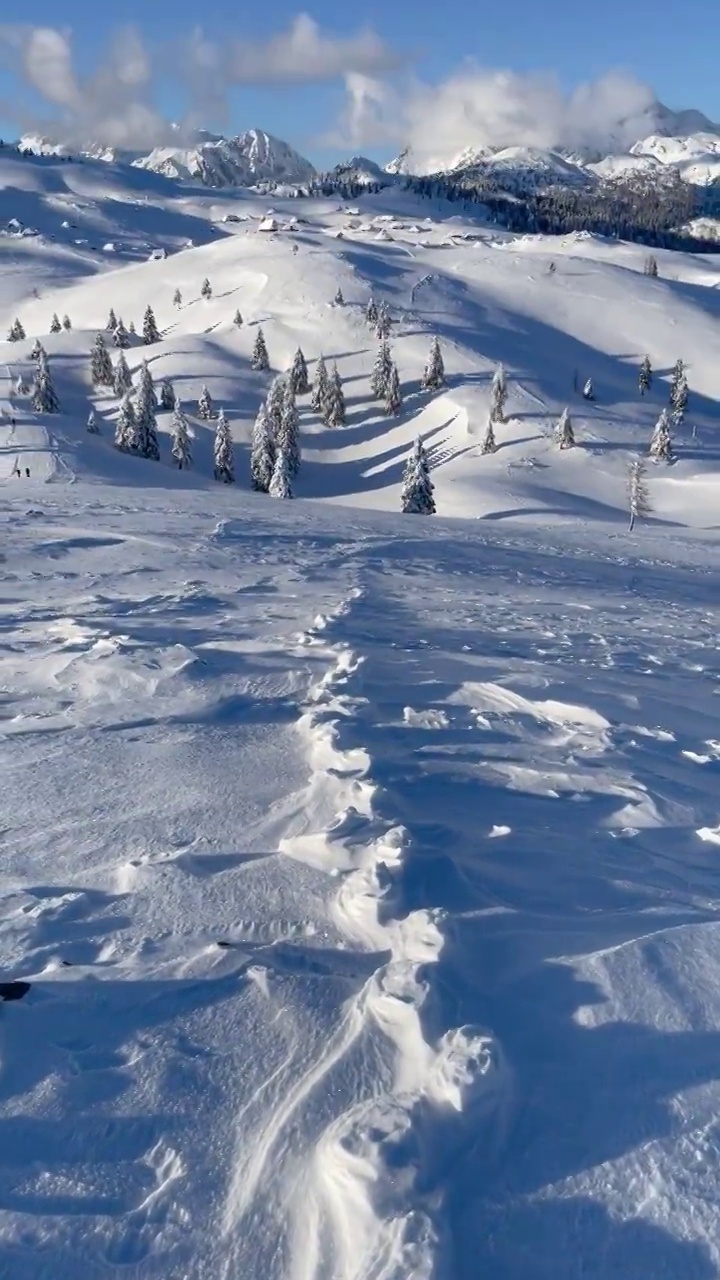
<point>364,868</point>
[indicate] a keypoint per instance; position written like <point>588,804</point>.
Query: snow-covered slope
<point>253,157</point>
<point>362,866</point>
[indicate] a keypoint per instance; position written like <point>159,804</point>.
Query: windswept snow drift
<point>363,867</point>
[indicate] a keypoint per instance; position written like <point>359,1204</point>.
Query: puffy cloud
<point>478,107</point>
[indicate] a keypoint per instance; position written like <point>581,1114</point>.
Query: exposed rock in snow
<point>251,158</point>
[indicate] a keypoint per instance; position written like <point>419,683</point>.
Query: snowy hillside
<point>358,869</point>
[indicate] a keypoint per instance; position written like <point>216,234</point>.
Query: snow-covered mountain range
<point>685,144</point>
<point>244,161</point>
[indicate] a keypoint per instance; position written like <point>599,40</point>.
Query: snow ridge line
<point>369,1200</point>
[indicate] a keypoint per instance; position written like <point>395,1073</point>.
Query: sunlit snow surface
<point>364,867</point>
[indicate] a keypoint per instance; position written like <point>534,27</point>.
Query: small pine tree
<point>122,377</point>
<point>393,394</point>
<point>384,322</point>
<point>638,495</point>
<point>44,399</point>
<point>151,332</point>
<point>126,426</point>
<point>434,375</point>
<point>121,337</point>
<point>280,485</point>
<point>55,325</point>
<point>237,320</point>
<point>38,350</point>
<point>288,434</point>
<point>180,436</point>
<point>274,404</point>
<point>101,369</point>
<point>92,424</point>
<point>111,325</point>
<point>417,487</point>
<point>679,400</point>
<point>489,444</point>
<point>498,395</point>
<point>223,453</point>
<point>382,368</point>
<point>168,399</point>
<point>66,324</point>
<point>320,387</point>
<point>645,379</point>
<point>263,452</point>
<point>298,375</point>
<point>205,406</point>
<point>339,300</point>
<point>589,390</point>
<point>17,332</point>
<point>260,359</point>
<point>334,414</point>
<point>131,328</point>
<point>564,433</point>
<point>371,313</point>
<point>145,406</point>
<point>650,267</point>
<point>177,299</point>
<point>661,449</point>
<point>206,290</point>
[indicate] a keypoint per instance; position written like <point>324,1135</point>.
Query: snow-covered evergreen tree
<point>393,394</point>
<point>320,387</point>
<point>145,406</point>
<point>434,375</point>
<point>111,325</point>
<point>205,405</point>
<point>489,444</point>
<point>281,485</point>
<point>92,423</point>
<point>37,350</point>
<point>17,332</point>
<point>66,323</point>
<point>298,375</point>
<point>206,290</point>
<point>21,387</point>
<point>275,402</point>
<point>498,395</point>
<point>260,359</point>
<point>151,333</point>
<point>384,322</point>
<point>177,298</point>
<point>101,369</point>
<point>126,426</point>
<point>237,320</point>
<point>564,433</point>
<point>55,325</point>
<point>661,449</point>
<point>168,399</point>
<point>121,337</point>
<point>288,435</point>
<point>334,411</point>
<point>589,390</point>
<point>339,300</point>
<point>131,328</point>
<point>678,374</point>
<point>180,435</point>
<point>679,400</point>
<point>263,452</point>
<point>223,453</point>
<point>638,495</point>
<point>417,487</point>
<point>382,368</point>
<point>645,378</point>
<point>122,377</point>
<point>650,267</point>
<point>44,399</point>
<point>371,313</point>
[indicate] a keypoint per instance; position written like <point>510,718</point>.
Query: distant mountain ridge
<point>244,161</point>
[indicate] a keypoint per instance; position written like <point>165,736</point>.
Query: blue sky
<point>675,54</point>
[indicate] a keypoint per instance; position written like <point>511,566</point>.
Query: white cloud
<point>304,55</point>
<point>494,108</point>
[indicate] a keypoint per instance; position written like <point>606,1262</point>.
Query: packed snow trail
<point>362,869</point>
